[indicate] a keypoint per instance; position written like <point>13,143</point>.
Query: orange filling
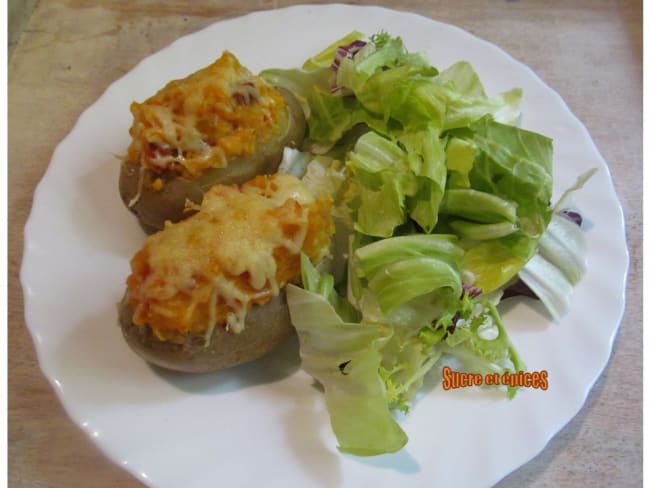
<point>239,250</point>
<point>218,113</point>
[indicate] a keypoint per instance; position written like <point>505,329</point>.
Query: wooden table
<point>590,51</point>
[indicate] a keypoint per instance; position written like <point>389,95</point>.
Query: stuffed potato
<point>206,293</point>
<point>221,124</point>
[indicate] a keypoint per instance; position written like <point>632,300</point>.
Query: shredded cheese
<point>138,193</point>
<point>205,119</point>
<point>239,250</point>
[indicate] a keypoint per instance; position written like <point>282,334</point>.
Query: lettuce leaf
<point>372,359</point>
<point>512,169</point>
<point>558,266</point>
<point>444,201</point>
<point>516,165</point>
<point>396,180</point>
<point>344,357</point>
<point>482,345</point>
<point>325,58</point>
<point>467,101</point>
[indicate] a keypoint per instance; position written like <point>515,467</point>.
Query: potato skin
<point>154,207</point>
<point>267,326</point>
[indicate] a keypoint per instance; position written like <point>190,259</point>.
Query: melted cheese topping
<point>218,113</point>
<point>239,250</point>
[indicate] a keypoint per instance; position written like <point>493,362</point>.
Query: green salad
<point>441,203</point>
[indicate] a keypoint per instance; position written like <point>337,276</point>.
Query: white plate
<point>265,421</point>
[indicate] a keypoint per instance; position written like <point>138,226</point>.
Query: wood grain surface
<point>590,51</point>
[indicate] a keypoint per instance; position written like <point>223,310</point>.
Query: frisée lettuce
<point>440,200</point>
